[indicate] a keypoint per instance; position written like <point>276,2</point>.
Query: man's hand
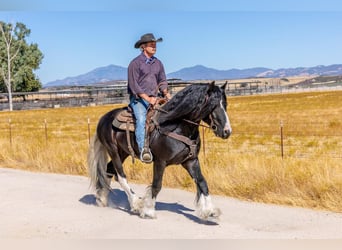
<point>152,100</point>
<point>167,96</point>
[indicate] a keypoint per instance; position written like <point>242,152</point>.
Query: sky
<point>77,36</point>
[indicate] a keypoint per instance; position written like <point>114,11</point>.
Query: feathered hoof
<point>148,214</point>
<point>136,205</point>
<point>101,202</point>
<point>216,213</point>
<point>135,210</point>
<point>210,215</point>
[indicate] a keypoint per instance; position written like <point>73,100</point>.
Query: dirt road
<point>51,206</point>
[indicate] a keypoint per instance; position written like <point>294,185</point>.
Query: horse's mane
<point>194,102</point>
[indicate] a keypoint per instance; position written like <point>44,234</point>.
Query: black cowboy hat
<point>149,37</point>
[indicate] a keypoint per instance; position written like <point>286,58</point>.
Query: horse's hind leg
<point>102,193</point>
<point>97,159</point>
<point>133,199</point>
<point>111,171</point>
<point>205,208</point>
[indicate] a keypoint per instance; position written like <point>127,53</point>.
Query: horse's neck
<point>183,128</point>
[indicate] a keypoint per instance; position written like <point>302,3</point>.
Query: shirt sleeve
<point>133,75</point>
<point>162,82</point>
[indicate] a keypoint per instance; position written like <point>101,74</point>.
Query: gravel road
<point>52,206</point>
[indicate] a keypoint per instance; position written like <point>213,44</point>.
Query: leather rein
<point>162,100</point>
<point>186,120</point>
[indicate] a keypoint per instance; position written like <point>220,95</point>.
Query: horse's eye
<point>214,127</point>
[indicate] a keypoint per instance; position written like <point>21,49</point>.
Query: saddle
<point>125,120</point>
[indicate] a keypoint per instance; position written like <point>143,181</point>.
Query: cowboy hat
<point>149,37</point>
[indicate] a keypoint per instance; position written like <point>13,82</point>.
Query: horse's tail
<point>97,163</point>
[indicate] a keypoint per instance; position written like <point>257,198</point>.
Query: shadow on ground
<point>118,200</point>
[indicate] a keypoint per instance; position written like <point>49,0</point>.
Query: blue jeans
<point>139,107</point>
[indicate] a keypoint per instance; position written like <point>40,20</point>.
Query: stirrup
<point>146,155</point>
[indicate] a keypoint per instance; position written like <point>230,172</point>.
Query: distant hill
<point>199,72</point>
<point>98,75</point>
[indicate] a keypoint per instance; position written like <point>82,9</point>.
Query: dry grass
<point>247,166</point>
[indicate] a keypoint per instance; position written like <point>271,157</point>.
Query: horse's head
<point>218,118</point>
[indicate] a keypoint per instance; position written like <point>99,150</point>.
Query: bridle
<point>191,143</point>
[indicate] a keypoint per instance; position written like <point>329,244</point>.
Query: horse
<point>174,141</point>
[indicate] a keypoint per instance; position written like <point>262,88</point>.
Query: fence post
<point>10,130</point>
<point>45,129</point>
<point>281,140</point>
<point>88,130</point>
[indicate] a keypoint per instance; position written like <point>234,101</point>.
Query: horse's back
<point>105,122</point>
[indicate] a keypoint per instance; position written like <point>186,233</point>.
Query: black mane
<point>194,103</point>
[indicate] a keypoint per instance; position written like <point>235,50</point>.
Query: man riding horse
<point>146,77</point>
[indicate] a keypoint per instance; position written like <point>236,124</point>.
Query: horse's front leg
<point>149,200</point>
<point>205,209</point>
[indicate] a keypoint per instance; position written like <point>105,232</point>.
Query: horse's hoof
<point>216,213</point>
<point>101,203</point>
<point>148,214</point>
<point>210,216</point>
<point>136,205</point>
<point>214,217</point>
<point>134,210</point>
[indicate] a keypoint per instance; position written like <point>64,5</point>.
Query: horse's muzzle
<point>226,133</point>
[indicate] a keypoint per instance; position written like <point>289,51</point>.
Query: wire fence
<point>118,94</point>
<point>278,141</point>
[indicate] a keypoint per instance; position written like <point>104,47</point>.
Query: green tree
<point>18,59</point>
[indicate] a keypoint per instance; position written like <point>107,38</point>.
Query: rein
<point>162,100</point>
<point>195,123</point>
<point>186,120</point>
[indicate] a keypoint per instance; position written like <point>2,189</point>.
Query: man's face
<point>150,48</point>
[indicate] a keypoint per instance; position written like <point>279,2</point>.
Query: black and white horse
<point>175,140</point>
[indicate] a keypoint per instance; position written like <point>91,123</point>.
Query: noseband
<point>212,123</point>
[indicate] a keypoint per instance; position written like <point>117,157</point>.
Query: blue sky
<point>80,36</point>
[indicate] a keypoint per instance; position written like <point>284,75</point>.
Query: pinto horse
<point>175,140</point>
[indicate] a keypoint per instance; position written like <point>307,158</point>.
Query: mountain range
<point>198,72</point>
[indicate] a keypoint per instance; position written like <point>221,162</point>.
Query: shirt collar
<point>148,60</point>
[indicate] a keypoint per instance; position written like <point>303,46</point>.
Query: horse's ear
<point>211,86</point>
<point>224,86</point>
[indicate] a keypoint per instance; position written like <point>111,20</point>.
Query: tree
<point>18,59</point>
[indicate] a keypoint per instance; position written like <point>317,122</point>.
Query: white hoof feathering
<point>102,198</point>
<point>136,204</point>
<point>205,208</point>
<point>134,201</point>
<point>148,208</point>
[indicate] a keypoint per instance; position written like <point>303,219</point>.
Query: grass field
<point>247,166</point>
